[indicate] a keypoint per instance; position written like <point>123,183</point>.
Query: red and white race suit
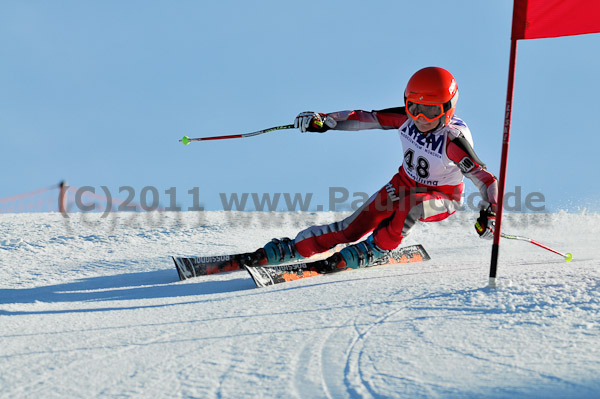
<point>428,186</point>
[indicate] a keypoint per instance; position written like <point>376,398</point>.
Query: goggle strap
<point>447,106</point>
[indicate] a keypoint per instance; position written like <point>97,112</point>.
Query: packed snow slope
<point>92,307</point>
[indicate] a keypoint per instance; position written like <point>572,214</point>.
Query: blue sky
<point>99,93</point>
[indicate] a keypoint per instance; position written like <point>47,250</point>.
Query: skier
<point>437,153</point>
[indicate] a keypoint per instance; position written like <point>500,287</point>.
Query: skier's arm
<point>460,151</point>
<point>390,118</point>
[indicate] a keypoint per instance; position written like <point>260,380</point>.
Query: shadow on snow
<point>120,287</point>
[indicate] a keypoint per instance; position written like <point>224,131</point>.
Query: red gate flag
<point>536,19</point>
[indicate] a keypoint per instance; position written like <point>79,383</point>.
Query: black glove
<point>486,222</point>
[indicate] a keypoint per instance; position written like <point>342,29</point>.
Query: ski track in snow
<point>92,307</point>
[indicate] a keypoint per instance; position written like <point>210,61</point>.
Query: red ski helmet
<point>432,93</point>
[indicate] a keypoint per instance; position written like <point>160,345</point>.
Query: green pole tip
<point>569,257</point>
<point>185,140</point>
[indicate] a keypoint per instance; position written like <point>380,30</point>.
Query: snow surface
<point>92,307</point>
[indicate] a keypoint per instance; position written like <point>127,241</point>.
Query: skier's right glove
<point>312,122</point>
<point>486,222</point>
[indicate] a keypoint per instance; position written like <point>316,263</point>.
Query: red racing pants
<point>390,214</point>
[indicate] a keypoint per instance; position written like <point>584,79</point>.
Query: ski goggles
<point>430,112</point>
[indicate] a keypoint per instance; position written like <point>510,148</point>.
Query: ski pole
<point>186,140</point>
<point>568,256</point>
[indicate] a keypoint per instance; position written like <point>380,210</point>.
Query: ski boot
<point>276,252</point>
<point>362,254</point>
<point>280,251</point>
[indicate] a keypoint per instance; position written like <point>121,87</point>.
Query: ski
<point>269,275</point>
<point>195,266</point>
